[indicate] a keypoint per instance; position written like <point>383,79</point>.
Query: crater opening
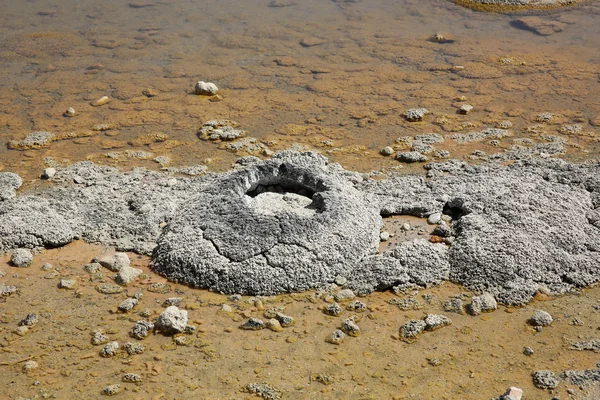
<point>280,185</point>
<point>454,209</point>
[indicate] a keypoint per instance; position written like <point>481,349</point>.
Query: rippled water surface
<point>335,76</point>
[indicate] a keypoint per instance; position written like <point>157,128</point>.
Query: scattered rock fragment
<point>132,378</point>
<point>99,338</point>
<point>528,351</point>
<point>344,294</point>
<point>112,390</point>
<point>172,301</point>
<point>284,320</point>
<point>159,287</point>
<point>415,114</point>
<point>336,337</point>
<point>141,329</point>
<point>70,112</point>
<point>110,349</point>
<point>482,303</point>
<point>434,321</point>
<point>332,309</point>
<point>412,328</point>
<point>21,258</point>
<point>29,320</point>
<point>512,393</point>
<point>349,327</point>
<point>134,348</point>
<point>222,129</point>
<point>386,151</point>
<point>205,88</point>
<point>544,379</point>
<point>253,324</point>
<point>109,288</point>
<point>115,262</point>
<point>265,391</point>
<point>100,102</point>
<point>67,284</point>
<point>127,275</point>
<point>30,366</point>
<point>465,109</point>
<point>410,157</point>
<point>172,320</point>
<point>127,304</point>
<point>49,173</point>
<point>540,318</point>
<point>274,325</point>
<point>356,306</point>
<point>21,330</point>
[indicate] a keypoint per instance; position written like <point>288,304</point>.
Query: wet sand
<point>324,75</point>
<point>479,357</point>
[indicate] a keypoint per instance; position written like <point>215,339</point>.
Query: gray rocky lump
<point>172,320</point>
<point>21,258</point>
<point>412,328</point>
<point>285,224</point>
<point>29,320</point>
<point>540,318</point>
<point>545,379</point>
<point>435,321</point>
<point>141,329</point>
<point>127,275</point>
<point>411,157</point>
<point>483,303</point>
<point>115,262</point>
<point>110,349</point>
<point>415,114</point>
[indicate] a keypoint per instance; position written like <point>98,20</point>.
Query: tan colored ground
<point>332,76</point>
<point>480,356</point>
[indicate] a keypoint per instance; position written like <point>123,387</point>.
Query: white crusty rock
<point>482,303</point>
<point>206,88</point>
<point>21,258</point>
<point>127,275</point>
<point>115,262</point>
<point>540,318</point>
<point>9,183</point>
<point>172,320</point>
<point>415,114</point>
<point>49,173</point>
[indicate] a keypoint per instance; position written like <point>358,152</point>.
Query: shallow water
<point>325,75</point>
<point>368,62</point>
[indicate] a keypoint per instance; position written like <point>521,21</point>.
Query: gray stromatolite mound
<point>297,221</point>
<point>287,224</point>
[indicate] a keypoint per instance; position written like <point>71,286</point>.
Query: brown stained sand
<point>478,357</point>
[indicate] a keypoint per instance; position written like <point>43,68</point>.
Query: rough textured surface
<point>296,222</point>
<point>172,320</point>
<point>9,183</point>
<point>515,4</point>
<point>288,224</point>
